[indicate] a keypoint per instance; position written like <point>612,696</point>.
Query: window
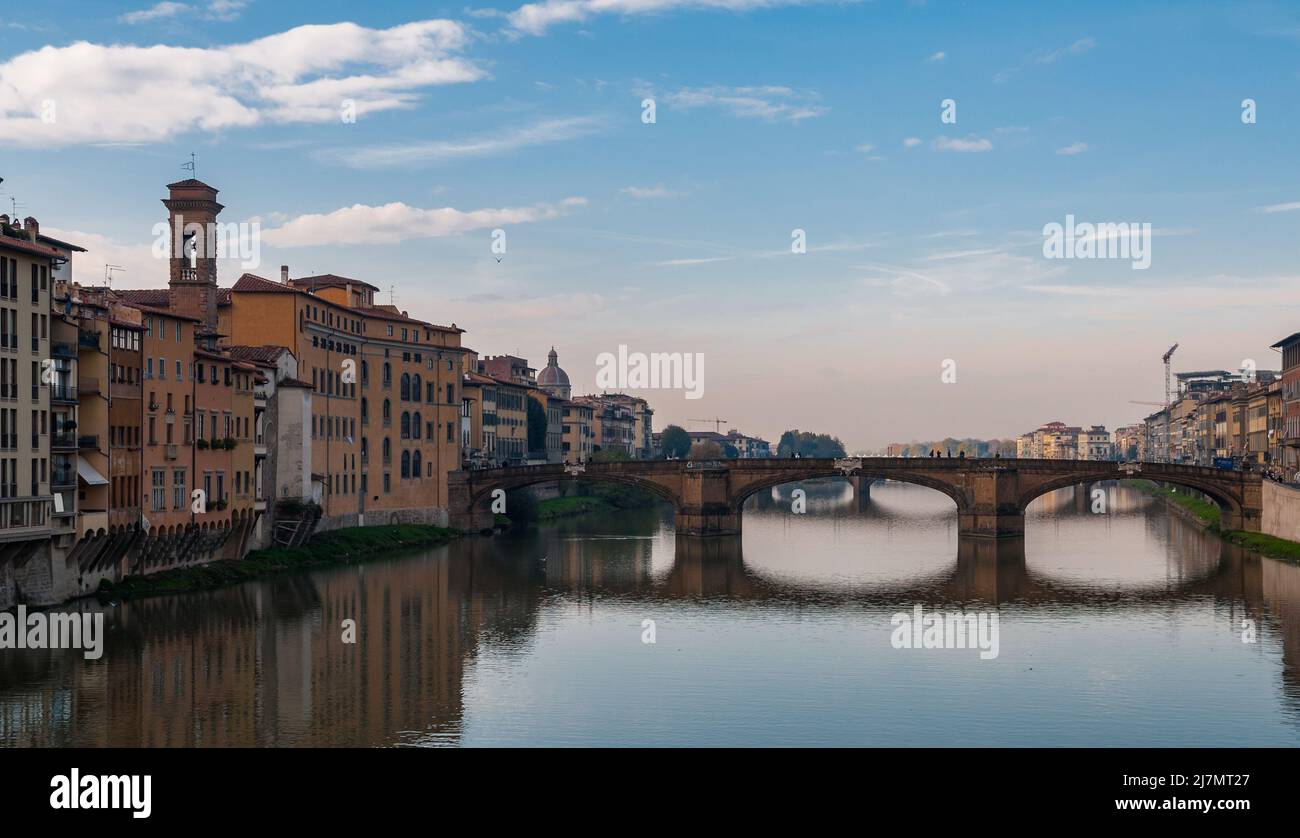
<point>178,489</point>
<point>365,374</point>
<point>406,425</point>
<point>365,411</point>
<point>159,499</point>
<point>388,413</point>
<point>388,374</point>
<point>415,425</point>
<point>416,389</point>
<point>406,387</point>
<point>388,451</point>
<point>415,465</point>
<point>406,465</point>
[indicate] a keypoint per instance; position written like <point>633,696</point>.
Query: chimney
<point>33,229</point>
<point>284,274</point>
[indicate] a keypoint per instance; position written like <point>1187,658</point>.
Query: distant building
<point>1290,348</point>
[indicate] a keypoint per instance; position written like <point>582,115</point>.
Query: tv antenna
<point>108,273</point>
<point>392,295</point>
<point>191,166</point>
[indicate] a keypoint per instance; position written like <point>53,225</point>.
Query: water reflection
<point>1118,628</point>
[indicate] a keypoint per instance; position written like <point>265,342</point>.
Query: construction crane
<point>1168,391</point>
<point>717,423</point>
<point>1153,404</point>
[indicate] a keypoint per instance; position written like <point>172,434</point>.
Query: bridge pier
<point>462,513</point>
<point>994,509</point>
<point>861,491</point>
<point>707,506</point>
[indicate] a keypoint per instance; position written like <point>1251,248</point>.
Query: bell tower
<point>192,211</point>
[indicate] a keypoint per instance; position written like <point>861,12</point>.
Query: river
<point>1129,627</point>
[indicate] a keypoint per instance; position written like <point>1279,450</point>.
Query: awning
<point>87,473</point>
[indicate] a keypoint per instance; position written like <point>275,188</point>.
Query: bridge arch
<point>1230,506</point>
<point>479,497</point>
<point>955,493</point>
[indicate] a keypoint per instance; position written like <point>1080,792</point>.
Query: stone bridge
<point>990,494</point>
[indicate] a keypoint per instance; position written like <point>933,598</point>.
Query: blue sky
<point>924,238</point>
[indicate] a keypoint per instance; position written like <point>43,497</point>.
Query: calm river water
<point>1124,628</point>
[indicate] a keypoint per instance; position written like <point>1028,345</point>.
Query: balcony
<point>63,350</point>
<point>60,392</point>
<point>91,521</point>
<point>65,440</point>
<point>88,441</point>
<point>87,339</point>
<point>24,518</point>
<point>88,386</point>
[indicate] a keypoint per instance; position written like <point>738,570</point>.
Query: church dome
<point>552,376</point>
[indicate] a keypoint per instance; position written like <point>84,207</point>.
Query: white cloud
<point>912,142</point>
<point>165,9</point>
<point>1073,148</point>
<point>223,10</point>
<point>1042,56</point>
<point>132,94</point>
<point>970,143</point>
<point>396,222</point>
<point>701,261</point>
<point>769,102</point>
<point>865,148</point>
<point>1294,205</point>
<point>938,56</point>
<point>536,18</point>
<point>1081,290</point>
<point>1079,47</point>
<point>511,139</point>
<point>658,191</point>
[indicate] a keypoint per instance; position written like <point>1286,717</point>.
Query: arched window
<point>415,465</point>
<point>406,465</point>
<point>365,411</point>
<point>388,374</point>
<point>415,425</point>
<point>365,450</point>
<point>406,387</point>
<point>388,451</point>
<point>388,412</point>
<point>406,425</point>
<point>415,387</point>
<point>365,373</point>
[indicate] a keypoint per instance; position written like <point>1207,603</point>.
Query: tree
<point>807,444</point>
<point>706,450</point>
<point>610,455</point>
<point>536,425</point>
<point>675,442</point>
